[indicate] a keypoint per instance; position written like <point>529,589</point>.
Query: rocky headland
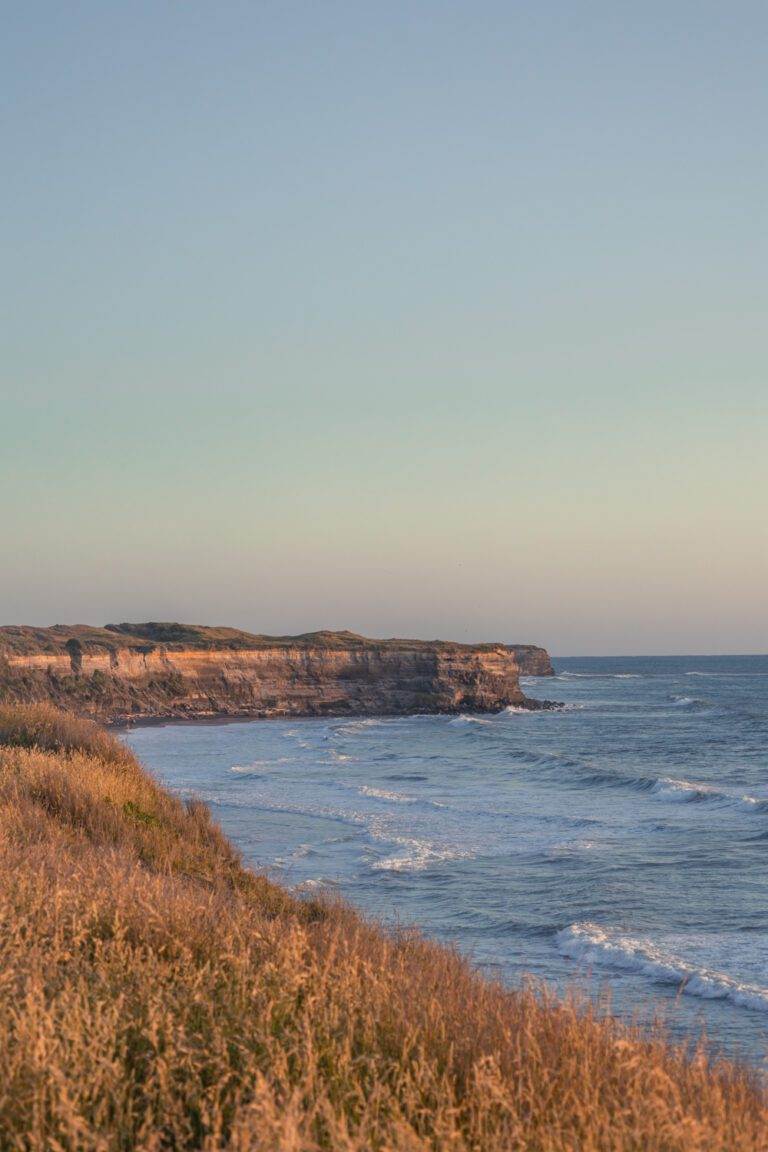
<point>531,660</point>
<point>140,672</point>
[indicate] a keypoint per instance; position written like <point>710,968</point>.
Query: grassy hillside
<point>154,994</point>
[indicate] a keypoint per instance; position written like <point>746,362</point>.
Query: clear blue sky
<point>410,318</point>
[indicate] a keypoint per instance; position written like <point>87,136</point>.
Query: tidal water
<point>617,845</point>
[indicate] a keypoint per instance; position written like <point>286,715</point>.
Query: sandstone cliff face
<point>130,677</point>
<point>532,661</point>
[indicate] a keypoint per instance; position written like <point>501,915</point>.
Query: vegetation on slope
<point>155,994</point>
<point>23,640</point>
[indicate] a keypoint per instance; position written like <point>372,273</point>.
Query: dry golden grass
<point>155,995</point>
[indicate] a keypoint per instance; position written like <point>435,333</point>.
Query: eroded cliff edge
<point>532,660</point>
<point>134,672</point>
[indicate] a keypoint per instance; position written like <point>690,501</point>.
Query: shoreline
<point>151,928</point>
<point>131,673</point>
<point>125,724</point>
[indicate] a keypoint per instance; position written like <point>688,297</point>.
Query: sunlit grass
<point>154,994</point>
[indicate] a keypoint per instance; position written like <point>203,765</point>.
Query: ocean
<point>617,846</point>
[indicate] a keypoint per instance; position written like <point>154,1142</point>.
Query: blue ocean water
<point>617,844</point>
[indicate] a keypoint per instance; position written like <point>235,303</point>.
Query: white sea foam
<point>464,720</point>
<point>681,791</point>
<point>356,727</point>
<point>687,792</point>
<point>590,944</point>
<point>383,826</point>
<point>386,794</point>
<point>417,855</point>
<point>256,767</point>
<point>298,853</point>
<point>752,803</point>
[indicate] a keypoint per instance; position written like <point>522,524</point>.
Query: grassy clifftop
<point>24,640</point>
<point>155,994</point>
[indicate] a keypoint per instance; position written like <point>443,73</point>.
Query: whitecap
<point>687,792</point>
<point>256,766</point>
<point>688,702</point>
<point>386,794</point>
<point>590,944</point>
<point>681,791</point>
<point>353,727</point>
<point>417,855</point>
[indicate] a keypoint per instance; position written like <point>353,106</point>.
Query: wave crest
<point>417,855</point>
<point>590,944</point>
<point>386,794</point>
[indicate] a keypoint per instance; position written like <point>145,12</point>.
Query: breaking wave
<point>386,794</point>
<point>257,767</point>
<point>463,721</point>
<point>590,944</point>
<point>662,788</point>
<point>687,792</point>
<point>416,855</point>
<point>356,727</point>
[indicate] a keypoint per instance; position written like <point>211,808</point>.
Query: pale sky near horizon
<point>429,319</point>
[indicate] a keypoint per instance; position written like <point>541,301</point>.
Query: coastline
<point>131,673</point>
<point>531,823</point>
<point>139,937</point>
<point>530,704</point>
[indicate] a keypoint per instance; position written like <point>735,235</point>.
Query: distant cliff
<point>532,661</point>
<point>127,672</point>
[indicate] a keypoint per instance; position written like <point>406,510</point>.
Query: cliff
<point>532,661</point>
<point>150,671</point>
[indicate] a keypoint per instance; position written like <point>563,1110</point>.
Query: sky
<point>419,319</point>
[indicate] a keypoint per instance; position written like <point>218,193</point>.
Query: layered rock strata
<point>124,673</point>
